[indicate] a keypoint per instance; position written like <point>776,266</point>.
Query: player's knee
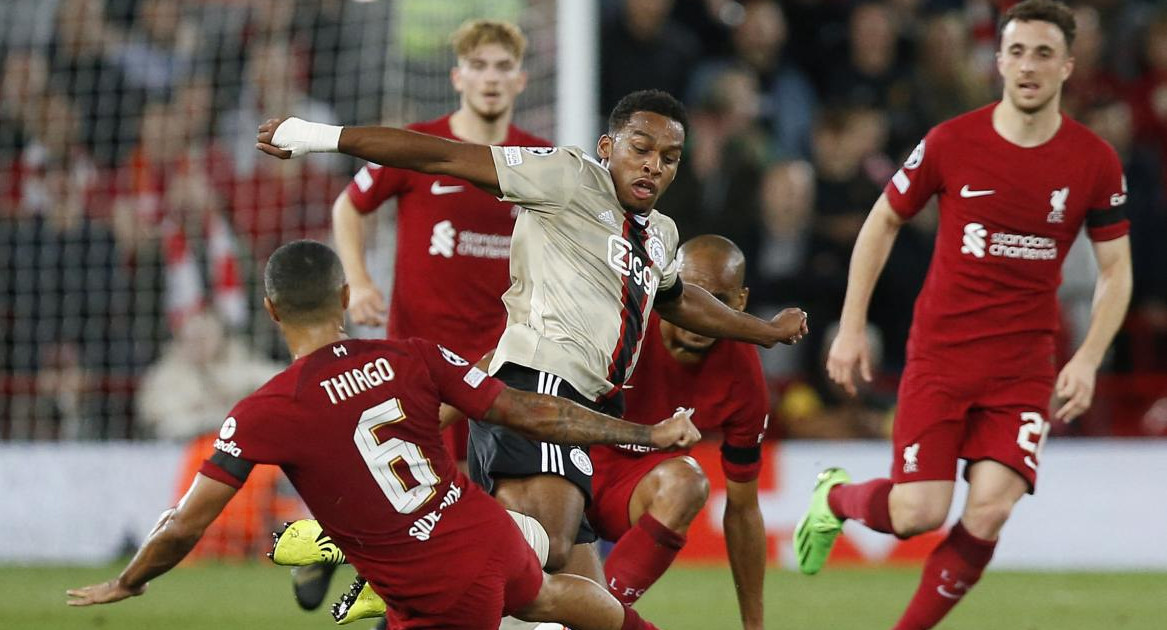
<point>910,518</point>
<point>984,518</point>
<point>558,552</point>
<point>686,485</point>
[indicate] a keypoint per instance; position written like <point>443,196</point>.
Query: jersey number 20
<point>402,471</point>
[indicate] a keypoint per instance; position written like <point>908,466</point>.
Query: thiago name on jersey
<point>349,383</point>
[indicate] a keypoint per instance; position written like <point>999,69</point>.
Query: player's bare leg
<point>958,561</point>
<point>661,508</point>
<point>580,604</point>
<point>584,560</point>
<point>918,506</point>
<point>555,502</point>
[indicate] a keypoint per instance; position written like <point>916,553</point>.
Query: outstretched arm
<point>1112,294</point>
<point>553,419</point>
<point>697,310</point>
<point>745,542</point>
<point>387,146</point>
<point>172,538</point>
<point>872,248</point>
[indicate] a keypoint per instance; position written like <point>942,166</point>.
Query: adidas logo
<point>609,218</point>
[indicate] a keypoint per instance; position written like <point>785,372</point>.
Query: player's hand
<point>367,305</point>
<point>676,432</point>
<point>790,325</point>
<point>267,132</point>
<point>1075,387</point>
<point>104,593</point>
<point>850,349</point>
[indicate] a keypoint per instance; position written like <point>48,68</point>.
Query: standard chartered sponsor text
<point>1027,247</point>
<point>482,245</point>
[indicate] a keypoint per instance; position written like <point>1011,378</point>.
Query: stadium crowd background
<point>135,215</point>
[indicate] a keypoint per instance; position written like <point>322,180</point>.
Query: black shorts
<point>497,452</point>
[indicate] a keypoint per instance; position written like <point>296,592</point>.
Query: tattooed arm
<point>552,419</point>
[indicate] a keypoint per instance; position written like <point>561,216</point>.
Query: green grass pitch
<point>221,597</point>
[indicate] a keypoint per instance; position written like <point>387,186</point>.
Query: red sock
<point>950,571</point>
<point>632,621</point>
<point>640,558</point>
<point>865,502</point>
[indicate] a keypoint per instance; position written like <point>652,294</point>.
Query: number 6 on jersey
<point>400,468</point>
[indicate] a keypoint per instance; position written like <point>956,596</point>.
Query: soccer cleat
<point>819,527</point>
<point>310,584</point>
<point>360,602</point>
<point>303,543</point>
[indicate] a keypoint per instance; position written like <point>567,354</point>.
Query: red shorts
<point>616,478</point>
<point>942,418</point>
<point>506,582</point>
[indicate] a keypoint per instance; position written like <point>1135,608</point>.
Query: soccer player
<point>354,425</point>
<point>1016,181</point>
<point>452,238</point>
<point>590,257</point>
<point>645,498</point>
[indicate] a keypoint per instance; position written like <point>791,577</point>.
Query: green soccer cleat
<point>816,532</point>
<point>360,602</point>
<point>303,543</point>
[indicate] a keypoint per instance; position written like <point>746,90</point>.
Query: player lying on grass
<point>354,426</point>
<point>1017,181</point>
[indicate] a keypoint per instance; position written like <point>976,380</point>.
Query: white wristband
<point>300,137</point>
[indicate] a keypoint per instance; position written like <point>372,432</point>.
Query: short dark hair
<point>1051,11</point>
<point>655,101</point>
<point>303,279</point>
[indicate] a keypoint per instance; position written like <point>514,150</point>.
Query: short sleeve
<point>542,179</point>
<point>469,389</point>
<point>373,184</point>
<point>1106,217</point>
<point>745,428</point>
<point>245,438</point>
<point>918,179</point>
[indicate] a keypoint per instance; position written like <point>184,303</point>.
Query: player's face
<point>689,347</point>
<point>489,79</point>
<point>1033,61</point>
<point>643,159</point>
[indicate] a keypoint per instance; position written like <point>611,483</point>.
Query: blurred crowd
<point>135,214</point>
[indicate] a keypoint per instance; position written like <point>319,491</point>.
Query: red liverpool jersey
<point>1008,216</point>
<point>726,389</point>
<point>453,249</point>
<point>354,426</point>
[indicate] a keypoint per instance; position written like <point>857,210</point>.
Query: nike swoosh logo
<point>438,189</point>
<point>968,193</point>
<point>945,593</point>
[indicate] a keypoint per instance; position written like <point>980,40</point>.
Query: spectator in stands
<point>945,82</point>
<point>79,61</point>
<point>23,83</point>
<point>1092,83</point>
<point>778,276</point>
<point>816,408</point>
<point>63,288</point>
<point>199,376</point>
<point>874,75</point>
<point>160,50</point>
<point>717,184</point>
<point>272,86</point>
<point>642,47</point>
<point>788,99</point>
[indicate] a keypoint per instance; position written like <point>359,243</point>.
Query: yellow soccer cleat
<point>360,602</point>
<point>303,543</point>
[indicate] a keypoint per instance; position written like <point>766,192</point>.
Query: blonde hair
<point>475,33</point>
